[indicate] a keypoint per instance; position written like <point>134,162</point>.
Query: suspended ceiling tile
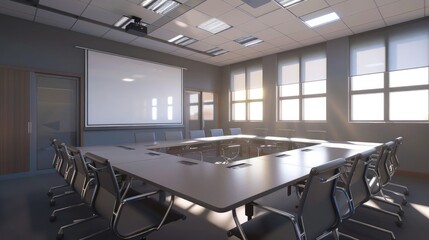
<point>182,52</point>
<point>368,26</point>
<point>290,27</point>
<point>54,19</point>
<point>119,36</point>
<point>124,7</point>
<point>263,46</point>
<point>307,7</point>
<point>201,46</point>
<point>232,33</point>
<point>276,17</point>
<point>21,8</point>
<point>352,7</point>
<point>214,8</point>
<point>153,45</point>
<point>101,15</point>
<point>215,40</point>
<point>245,51</point>
<point>17,14</point>
<point>367,16</point>
<point>195,33</point>
<point>262,10</point>
<point>268,33</point>
<point>337,34</point>
<point>235,17</point>
<point>300,36</point>
<point>199,56</point>
<point>193,18</point>
<point>230,46</point>
<point>290,46</point>
<point>333,2</point>
<point>311,41</point>
<point>234,3</point>
<point>331,27</point>
<point>75,7</point>
<point>163,34</point>
<point>89,28</point>
<point>408,16</point>
<point>400,7</point>
<point>384,2</point>
<point>252,26</point>
<point>280,41</point>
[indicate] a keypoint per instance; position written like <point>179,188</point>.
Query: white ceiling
<point>281,29</point>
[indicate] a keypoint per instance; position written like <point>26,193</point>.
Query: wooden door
<point>14,120</point>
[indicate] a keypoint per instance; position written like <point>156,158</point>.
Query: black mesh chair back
<point>382,165</point>
<point>318,212</point>
<point>83,176</point>
<point>356,185</point>
<point>173,135</point>
<point>62,163</point>
<point>70,172</point>
<point>106,193</point>
<point>393,155</point>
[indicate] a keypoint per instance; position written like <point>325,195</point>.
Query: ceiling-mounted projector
<point>137,27</point>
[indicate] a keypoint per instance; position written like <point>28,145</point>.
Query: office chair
<point>83,185</point>
<point>173,135</point>
<point>229,150</point>
<point>353,190</point>
<point>378,176</point>
<point>235,131</point>
<point>197,134</point>
<point>264,145</point>
<point>394,165</point>
<point>130,214</point>
<point>67,170</point>
<point>216,132</point>
<point>317,212</point>
<point>59,165</point>
<point>144,137</point>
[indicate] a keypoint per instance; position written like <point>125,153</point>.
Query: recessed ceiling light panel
<point>320,20</point>
<point>248,41</point>
<point>182,40</point>
<point>160,6</point>
<point>287,3</point>
<point>214,26</point>
<point>216,51</point>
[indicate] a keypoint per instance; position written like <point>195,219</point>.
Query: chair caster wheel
<point>399,223</point>
<point>50,194</point>
<point>60,236</point>
<point>52,218</point>
<point>404,202</point>
<point>401,213</point>
<point>52,203</point>
<point>406,193</point>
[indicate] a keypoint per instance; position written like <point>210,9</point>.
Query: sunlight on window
<point>409,105</point>
<point>154,109</point>
<point>170,100</point>
<point>256,111</point>
<point>289,109</point>
<point>193,98</point>
<point>208,112</point>
<point>193,112</point>
<point>315,87</point>
<point>314,109</point>
<point>289,90</point>
<point>255,82</point>
<point>369,81</point>
<point>238,111</point>
<point>367,107</point>
<point>238,87</point>
<point>410,77</point>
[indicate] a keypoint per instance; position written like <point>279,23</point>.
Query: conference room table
<point>224,187</point>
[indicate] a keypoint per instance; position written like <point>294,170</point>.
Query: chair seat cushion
<point>267,227</point>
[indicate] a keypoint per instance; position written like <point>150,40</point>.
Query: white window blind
<point>367,57</point>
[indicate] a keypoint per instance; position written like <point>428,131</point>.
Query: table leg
<point>249,211</point>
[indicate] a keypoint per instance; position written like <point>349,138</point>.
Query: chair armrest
<point>276,211</point>
<point>140,196</point>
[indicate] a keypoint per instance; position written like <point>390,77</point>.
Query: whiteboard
<point>123,92</point>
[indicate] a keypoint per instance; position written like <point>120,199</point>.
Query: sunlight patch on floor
<point>422,209</point>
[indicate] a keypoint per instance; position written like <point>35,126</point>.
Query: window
<point>247,94</point>
<point>194,100</point>
<point>302,87</point>
<point>390,76</point>
<point>208,106</point>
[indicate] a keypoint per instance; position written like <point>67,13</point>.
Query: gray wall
<point>44,48</point>
<point>413,153</point>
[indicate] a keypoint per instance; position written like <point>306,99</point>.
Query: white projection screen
<point>125,92</point>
